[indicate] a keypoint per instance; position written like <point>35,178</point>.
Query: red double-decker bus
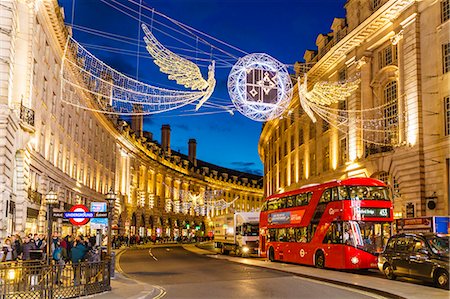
<point>341,224</point>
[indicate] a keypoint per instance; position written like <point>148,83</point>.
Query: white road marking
<point>151,254</point>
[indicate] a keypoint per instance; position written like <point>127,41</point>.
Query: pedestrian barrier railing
<point>36,279</point>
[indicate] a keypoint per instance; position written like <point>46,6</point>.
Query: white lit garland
<point>371,121</point>
<point>109,91</point>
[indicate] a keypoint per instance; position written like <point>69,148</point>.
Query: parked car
<point>422,256</point>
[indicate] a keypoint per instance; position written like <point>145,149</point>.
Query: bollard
<point>113,264</point>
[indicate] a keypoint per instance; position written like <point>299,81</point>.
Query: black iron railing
<point>27,115</point>
<point>35,279</point>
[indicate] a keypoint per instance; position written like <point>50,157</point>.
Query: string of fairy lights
<point>109,91</point>
<point>204,203</point>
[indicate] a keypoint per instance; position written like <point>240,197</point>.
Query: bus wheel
<point>271,255</point>
<point>389,272</point>
<point>441,279</point>
<point>319,261</point>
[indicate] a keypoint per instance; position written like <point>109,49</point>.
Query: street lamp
<point>50,199</point>
<point>110,198</point>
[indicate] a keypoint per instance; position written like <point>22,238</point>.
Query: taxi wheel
<point>389,272</point>
<point>441,279</point>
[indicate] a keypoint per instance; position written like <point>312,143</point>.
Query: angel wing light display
<point>183,71</point>
<point>324,93</point>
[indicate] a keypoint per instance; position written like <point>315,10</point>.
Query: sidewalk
<point>123,287</point>
<point>399,289</point>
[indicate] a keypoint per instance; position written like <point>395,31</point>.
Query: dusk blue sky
<point>283,29</point>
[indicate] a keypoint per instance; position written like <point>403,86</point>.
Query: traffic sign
<point>78,215</point>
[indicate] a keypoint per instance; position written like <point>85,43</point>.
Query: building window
<point>384,177</point>
<point>447,115</point>
<point>300,169</point>
<point>53,108</point>
<point>292,173</point>
<point>292,142</point>
<point>396,186</point>
<point>445,10</point>
<point>342,151</point>
<point>342,75</point>
<point>375,4</point>
<point>446,57</point>
<point>387,56</point>
<point>300,136</point>
<point>51,149</point>
<point>312,130</point>
<point>326,158</point>
<point>312,164</point>
<point>391,112</point>
<point>60,155</point>
<point>325,126</point>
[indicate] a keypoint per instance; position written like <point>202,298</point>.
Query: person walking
<point>78,251</point>
<point>7,251</point>
<point>27,247</point>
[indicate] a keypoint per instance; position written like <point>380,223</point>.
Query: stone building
<point>400,50</point>
<point>46,145</point>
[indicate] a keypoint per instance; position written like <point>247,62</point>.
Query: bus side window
<point>290,201</point>
<point>264,207</point>
<point>283,202</point>
<point>301,234</point>
<point>333,235</point>
<point>334,194</point>
<point>290,237</point>
<point>308,197</point>
<point>272,234</point>
<point>326,196</point>
<point>281,235</point>
<point>343,192</point>
<point>311,230</point>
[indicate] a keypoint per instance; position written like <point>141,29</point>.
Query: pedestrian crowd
<point>71,248</point>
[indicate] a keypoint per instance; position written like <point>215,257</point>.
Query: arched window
<point>390,112</point>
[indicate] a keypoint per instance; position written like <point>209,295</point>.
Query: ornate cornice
<point>377,21</point>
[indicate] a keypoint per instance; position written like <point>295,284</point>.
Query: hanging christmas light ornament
<point>183,71</point>
<point>324,93</point>
<point>260,87</point>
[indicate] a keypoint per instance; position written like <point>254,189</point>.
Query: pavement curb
<point>311,277</point>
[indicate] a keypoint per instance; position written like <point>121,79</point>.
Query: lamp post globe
<point>50,199</point>
<point>110,198</point>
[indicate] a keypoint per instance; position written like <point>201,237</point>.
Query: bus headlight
<point>354,260</point>
<point>245,249</point>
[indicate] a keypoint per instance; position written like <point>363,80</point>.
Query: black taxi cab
<point>421,256</point>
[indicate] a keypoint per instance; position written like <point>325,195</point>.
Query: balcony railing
<point>372,149</point>
<point>34,196</point>
<point>27,115</point>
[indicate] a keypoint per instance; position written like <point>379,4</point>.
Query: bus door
<point>262,242</point>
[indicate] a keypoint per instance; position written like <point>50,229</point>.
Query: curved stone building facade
<point>400,50</point>
<point>48,145</point>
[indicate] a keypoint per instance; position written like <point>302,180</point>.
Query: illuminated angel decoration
<point>183,71</point>
<point>324,93</point>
